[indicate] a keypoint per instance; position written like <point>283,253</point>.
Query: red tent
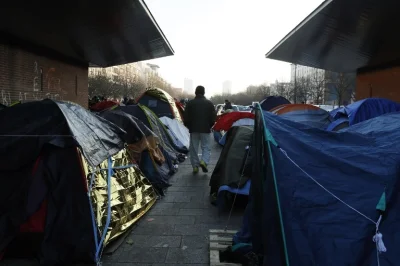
<point>100,106</point>
<point>225,121</point>
<point>180,107</point>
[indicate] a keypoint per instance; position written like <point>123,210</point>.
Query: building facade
<point>336,86</point>
<point>145,72</point>
<point>28,76</point>
<point>227,87</point>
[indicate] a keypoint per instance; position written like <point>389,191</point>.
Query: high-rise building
<point>188,86</point>
<point>227,87</point>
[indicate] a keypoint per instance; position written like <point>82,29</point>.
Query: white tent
<point>178,129</point>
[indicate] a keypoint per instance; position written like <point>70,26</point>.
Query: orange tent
<point>287,108</point>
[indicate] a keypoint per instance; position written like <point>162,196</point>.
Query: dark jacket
<point>199,115</point>
<point>228,106</point>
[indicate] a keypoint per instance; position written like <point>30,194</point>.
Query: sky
<point>218,40</point>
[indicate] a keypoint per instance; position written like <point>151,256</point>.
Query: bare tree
<point>138,86</point>
<point>341,85</point>
<point>317,79</point>
<point>353,95</point>
<point>100,85</point>
<point>294,90</point>
<point>284,89</point>
<point>303,89</point>
<point>280,89</point>
<point>263,91</point>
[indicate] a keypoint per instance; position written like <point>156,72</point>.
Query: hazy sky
<point>217,40</point>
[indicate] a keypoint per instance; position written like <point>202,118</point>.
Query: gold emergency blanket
<point>132,195</point>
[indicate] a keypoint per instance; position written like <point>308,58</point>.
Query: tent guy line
<point>380,246</point>
<point>37,136</point>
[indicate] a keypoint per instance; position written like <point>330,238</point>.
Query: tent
<point>366,109</point>
<point>286,108</point>
<point>226,120</point>
<point>240,122</point>
<point>181,108</point>
<point>319,197</point>
<point>148,117</point>
<point>178,131</point>
<point>160,102</point>
<point>338,124</point>
<point>72,193</point>
<point>304,113</point>
<point>273,101</point>
<point>228,170</point>
<point>143,147</point>
<point>335,111</point>
<point>2,106</point>
<point>104,105</point>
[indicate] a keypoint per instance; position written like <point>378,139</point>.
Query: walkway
<point>175,230</point>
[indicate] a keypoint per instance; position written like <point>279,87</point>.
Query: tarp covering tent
<point>318,118</point>
<point>230,163</point>
<point>318,195</point>
<point>366,109</point>
<point>160,102</point>
<point>338,124</point>
<point>273,101</point>
<point>334,111</point>
<point>178,131</point>
<point>52,206</point>
<point>143,146</point>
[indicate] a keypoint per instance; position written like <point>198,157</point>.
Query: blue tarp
<point>366,109</point>
<point>335,111</point>
<point>217,136</point>
<point>222,140</point>
<point>356,165</point>
<point>315,118</point>
<point>338,124</point>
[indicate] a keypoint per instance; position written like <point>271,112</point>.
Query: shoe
<point>203,166</point>
<point>195,170</point>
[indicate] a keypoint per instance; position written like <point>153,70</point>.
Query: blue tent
<point>315,118</point>
<point>340,123</point>
<point>316,195</point>
<point>366,109</point>
<point>335,111</point>
<point>273,101</point>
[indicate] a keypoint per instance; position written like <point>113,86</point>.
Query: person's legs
<point>193,151</point>
<point>205,151</point>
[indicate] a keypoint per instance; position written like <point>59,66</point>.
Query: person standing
<point>228,105</point>
<point>199,117</point>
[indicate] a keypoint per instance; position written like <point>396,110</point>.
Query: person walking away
<point>199,117</point>
<point>228,105</point>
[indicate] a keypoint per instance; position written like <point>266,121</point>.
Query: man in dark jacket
<point>228,105</point>
<point>199,118</point>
